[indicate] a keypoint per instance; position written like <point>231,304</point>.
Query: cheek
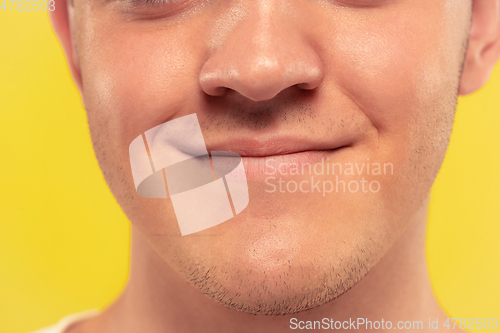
<point>138,78</point>
<point>392,72</point>
<point>402,74</point>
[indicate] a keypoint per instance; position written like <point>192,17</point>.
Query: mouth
<point>279,156</point>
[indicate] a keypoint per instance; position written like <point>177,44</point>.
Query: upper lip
<point>271,146</point>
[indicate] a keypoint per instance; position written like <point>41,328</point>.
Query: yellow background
<point>64,241</point>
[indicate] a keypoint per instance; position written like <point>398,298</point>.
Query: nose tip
<point>261,78</point>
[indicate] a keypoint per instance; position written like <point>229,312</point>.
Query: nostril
<point>307,85</point>
<point>218,91</point>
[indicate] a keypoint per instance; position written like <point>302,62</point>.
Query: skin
<point>378,78</point>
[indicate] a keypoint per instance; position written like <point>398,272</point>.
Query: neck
<point>156,299</point>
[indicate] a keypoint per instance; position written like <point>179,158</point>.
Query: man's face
<point>354,82</point>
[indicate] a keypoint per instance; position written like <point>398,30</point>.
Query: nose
<point>260,55</point>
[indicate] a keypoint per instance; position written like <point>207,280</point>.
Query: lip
<point>279,145</point>
<point>281,166</point>
<point>285,152</point>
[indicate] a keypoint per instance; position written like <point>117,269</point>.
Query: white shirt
<point>63,324</point>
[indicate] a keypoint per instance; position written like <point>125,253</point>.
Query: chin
<point>275,271</point>
<point>287,289</point>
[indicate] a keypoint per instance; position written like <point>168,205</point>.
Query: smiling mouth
<point>260,155</point>
<point>276,146</point>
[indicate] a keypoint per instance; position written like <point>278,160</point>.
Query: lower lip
<point>283,165</point>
